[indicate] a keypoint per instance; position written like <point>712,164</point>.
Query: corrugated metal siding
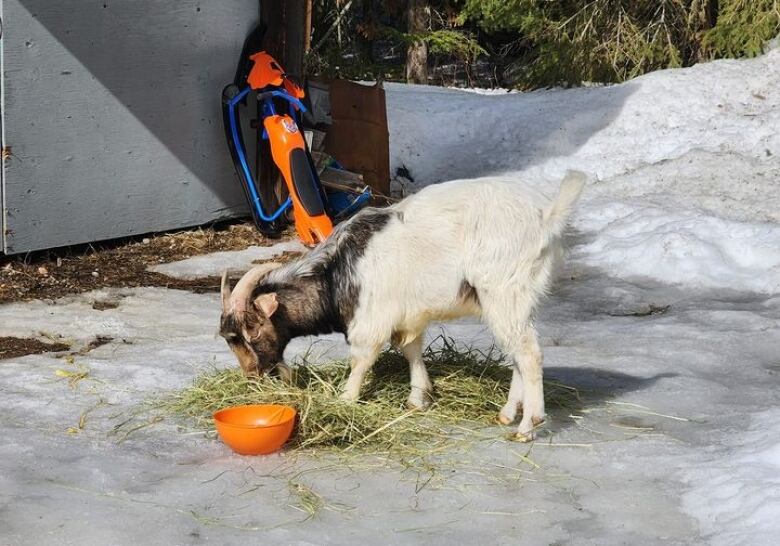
<point>112,110</point>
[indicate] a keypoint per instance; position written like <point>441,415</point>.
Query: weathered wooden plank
<point>342,180</point>
<point>112,110</point>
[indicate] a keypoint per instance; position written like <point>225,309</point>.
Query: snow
<point>739,487</point>
<point>681,247</point>
<point>666,317</point>
<point>605,131</point>
<point>485,91</point>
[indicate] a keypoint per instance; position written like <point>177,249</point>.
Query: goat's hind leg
<point>517,336</point>
<point>528,359</point>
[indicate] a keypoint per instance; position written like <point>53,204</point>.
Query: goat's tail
<point>557,214</point>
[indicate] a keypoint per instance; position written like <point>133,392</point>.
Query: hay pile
<point>470,387</point>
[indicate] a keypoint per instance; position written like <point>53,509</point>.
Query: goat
<point>482,247</point>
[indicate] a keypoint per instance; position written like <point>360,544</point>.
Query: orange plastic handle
<point>267,72</point>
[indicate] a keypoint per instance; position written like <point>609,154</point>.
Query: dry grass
<point>470,388</point>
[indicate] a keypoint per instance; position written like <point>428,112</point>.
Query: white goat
<point>481,247</point>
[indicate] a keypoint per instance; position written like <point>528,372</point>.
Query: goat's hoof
<point>348,397</point>
<point>503,419</point>
<point>420,403</point>
<point>527,431</point>
<point>524,437</point>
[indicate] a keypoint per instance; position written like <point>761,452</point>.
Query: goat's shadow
<point>568,389</point>
<point>594,387</point>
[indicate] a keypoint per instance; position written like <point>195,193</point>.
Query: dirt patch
<point>99,341</point>
<point>100,305</point>
<point>13,347</point>
<point>644,310</point>
<point>120,264</point>
<point>283,258</point>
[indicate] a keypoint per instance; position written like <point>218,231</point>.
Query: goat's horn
<point>243,289</point>
<point>225,291</point>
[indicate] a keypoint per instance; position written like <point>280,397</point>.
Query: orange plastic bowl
<point>256,429</point>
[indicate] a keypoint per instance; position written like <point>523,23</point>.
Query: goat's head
<point>247,323</point>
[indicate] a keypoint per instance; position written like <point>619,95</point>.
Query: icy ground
<point>234,262</point>
<point>667,316</point>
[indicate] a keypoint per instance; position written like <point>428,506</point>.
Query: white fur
<point>500,237</point>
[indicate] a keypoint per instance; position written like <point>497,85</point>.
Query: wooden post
<point>295,36</point>
<point>307,29</point>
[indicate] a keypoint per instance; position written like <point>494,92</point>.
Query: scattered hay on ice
<point>470,388</point>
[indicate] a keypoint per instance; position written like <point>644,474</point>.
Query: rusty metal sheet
<point>358,137</point>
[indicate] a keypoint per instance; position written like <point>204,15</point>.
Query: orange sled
<point>313,208</point>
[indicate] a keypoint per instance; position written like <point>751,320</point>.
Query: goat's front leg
<point>362,358</point>
<point>284,372</point>
<point>420,396</point>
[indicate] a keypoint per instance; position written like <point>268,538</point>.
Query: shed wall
<point>112,112</point>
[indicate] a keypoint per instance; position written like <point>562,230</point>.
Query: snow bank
<point>683,164</point>
<point>723,107</point>
<point>681,247</point>
<point>735,496</point>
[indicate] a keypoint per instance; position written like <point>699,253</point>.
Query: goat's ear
<point>225,290</point>
<point>267,303</point>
